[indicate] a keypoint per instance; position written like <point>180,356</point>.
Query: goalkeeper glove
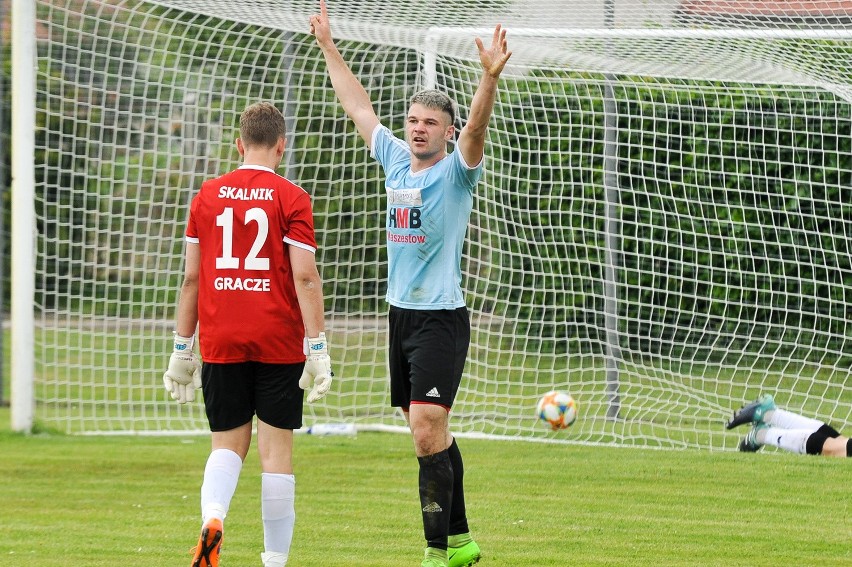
<point>184,374</point>
<point>317,373</point>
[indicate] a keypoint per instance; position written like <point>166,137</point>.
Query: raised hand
<point>495,57</point>
<point>320,27</point>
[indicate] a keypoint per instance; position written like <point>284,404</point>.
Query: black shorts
<point>235,393</point>
<point>427,354</point>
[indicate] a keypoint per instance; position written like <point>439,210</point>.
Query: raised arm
<point>472,137</point>
<point>349,90</point>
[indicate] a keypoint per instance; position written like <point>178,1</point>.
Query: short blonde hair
<point>431,98</point>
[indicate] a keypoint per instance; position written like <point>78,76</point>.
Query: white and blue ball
<point>557,409</point>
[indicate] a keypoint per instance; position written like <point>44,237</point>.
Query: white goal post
<point>662,230</point>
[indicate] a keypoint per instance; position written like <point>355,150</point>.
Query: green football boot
<point>434,558</point>
<point>753,412</point>
<point>465,555</point>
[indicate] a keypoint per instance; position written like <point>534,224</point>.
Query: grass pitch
<point>108,501</point>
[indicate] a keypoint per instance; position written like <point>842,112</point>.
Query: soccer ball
<point>557,409</point>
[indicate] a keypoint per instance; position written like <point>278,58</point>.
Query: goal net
<point>662,230</point>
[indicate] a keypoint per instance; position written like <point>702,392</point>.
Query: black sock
<point>436,497</point>
<point>458,514</point>
<point>849,448</point>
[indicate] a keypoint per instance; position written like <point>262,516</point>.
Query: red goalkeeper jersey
<point>244,222</point>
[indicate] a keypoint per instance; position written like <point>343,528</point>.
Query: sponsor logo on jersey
<point>406,238</point>
<point>405,197</point>
<point>404,213</point>
<point>404,217</point>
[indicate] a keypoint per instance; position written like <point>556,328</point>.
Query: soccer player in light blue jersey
<point>429,200</point>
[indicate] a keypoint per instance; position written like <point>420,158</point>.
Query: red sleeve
<point>191,229</point>
<point>299,229</point>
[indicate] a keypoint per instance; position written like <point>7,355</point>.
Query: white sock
<point>793,440</point>
<point>278,495</point>
<point>273,559</point>
<point>789,420</point>
<point>220,482</point>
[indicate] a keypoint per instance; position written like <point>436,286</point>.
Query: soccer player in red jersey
<point>252,288</point>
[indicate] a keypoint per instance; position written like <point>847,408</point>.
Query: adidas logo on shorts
<point>433,393</point>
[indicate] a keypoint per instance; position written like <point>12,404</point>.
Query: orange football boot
<point>206,553</point>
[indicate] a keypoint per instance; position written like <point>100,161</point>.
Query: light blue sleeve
<point>387,149</point>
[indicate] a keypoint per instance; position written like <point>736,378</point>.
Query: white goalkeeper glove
<point>317,373</point>
<point>184,374</point>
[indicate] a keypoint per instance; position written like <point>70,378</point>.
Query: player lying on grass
<point>786,430</point>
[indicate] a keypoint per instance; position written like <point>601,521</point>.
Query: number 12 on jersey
<point>227,261</point>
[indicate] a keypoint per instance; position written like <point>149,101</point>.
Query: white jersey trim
<point>394,140</point>
<point>260,167</point>
<point>464,162</point>
<point>301,245</point>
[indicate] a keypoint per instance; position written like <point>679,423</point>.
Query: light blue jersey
<point>427,219</point>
